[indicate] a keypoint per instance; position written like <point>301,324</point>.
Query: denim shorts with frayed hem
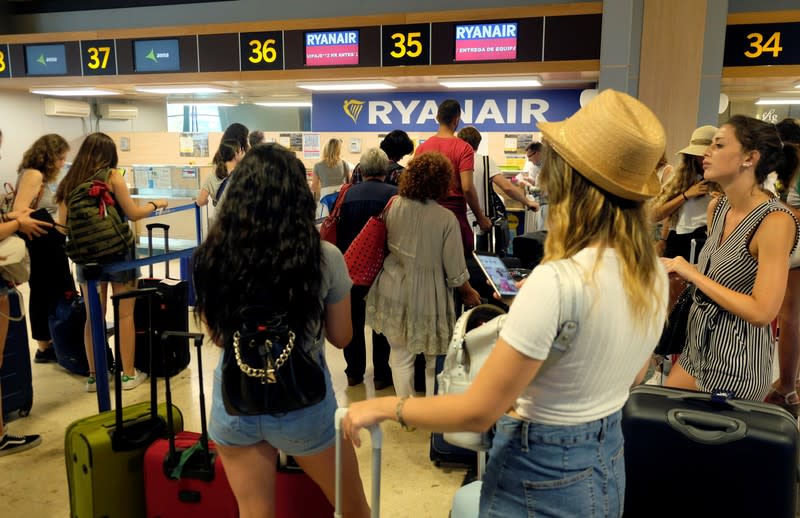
<point>300,433</point>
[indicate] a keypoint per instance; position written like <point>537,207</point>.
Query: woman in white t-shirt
<point>558,446</point>
<point>228,155</point>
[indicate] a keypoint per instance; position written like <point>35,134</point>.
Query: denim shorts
<point>123,277</point>
<point>549,470</point>
<point>300,433</point>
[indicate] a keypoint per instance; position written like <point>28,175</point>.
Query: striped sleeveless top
<point>723,351</point>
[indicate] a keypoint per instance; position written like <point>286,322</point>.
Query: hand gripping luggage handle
<point>377,444</point>
<point>118,440</point>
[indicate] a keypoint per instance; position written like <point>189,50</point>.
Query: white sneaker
<point>91,383</point>
<point>131,382</point>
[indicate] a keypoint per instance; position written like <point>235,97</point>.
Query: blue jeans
<point>559,471</point>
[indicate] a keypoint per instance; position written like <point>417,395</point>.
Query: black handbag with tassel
<point>265,369</point>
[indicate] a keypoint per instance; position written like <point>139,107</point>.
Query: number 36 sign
<point>762,44</point>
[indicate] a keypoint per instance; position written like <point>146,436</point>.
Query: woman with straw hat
<point>729,341</point>
<point>684,198</point>
<point>564,422</point>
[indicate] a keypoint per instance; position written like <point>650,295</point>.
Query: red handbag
<point>364,257</point>
<point>327,231</point>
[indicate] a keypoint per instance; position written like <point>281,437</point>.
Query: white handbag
<point>15,263</point>
<point>476,332</point>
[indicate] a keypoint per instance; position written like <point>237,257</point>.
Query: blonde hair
<point>688,173</point>
<point>582,215</point>
<point>332,152</point>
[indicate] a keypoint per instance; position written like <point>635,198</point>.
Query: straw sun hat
<point>701,139</point>
<point>614,142</point>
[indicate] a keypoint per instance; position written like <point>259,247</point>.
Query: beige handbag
<point>15,263</point>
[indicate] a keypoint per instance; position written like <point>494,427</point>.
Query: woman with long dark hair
<point>97,159</point>
<point>264,252</point>
<point>228,155</point>
<point>50,275</point>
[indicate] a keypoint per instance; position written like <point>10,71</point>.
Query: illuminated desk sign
<point>486,42</point>
<point>156,56</point>
<point>46,60</point>
<point>331,48</point>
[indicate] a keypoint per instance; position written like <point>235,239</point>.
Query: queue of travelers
<point>600,220</point>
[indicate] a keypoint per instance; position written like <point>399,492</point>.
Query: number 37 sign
<point>762,44</point>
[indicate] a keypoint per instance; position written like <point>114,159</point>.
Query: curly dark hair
<point>43,155</point>
<point>263,248</point>
<point>427,177</point>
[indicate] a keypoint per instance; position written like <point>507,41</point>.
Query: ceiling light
<point>74,92</point>
<point>285,104</point>
<point>347,86</point>
<point>778,100</point>
<point>166,90</point>
<point>491,82</point>
<point>200,103</point>
<point>797,84</point>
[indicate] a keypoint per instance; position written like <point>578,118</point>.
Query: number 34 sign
<point>762,44</point>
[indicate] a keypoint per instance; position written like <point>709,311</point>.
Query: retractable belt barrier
<point>93,272</point>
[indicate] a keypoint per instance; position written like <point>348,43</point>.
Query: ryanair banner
<point>505,111</point>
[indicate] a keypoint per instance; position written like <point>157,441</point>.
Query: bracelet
<point>155,207</point>
<point>398,412</point>
<point>684,196</point>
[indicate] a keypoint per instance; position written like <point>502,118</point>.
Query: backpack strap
<point>571,282</point>
<point>487,184</point>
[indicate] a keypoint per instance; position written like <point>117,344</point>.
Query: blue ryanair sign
<point>487,111</point>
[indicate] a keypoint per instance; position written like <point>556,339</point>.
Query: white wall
<point>22,121</point>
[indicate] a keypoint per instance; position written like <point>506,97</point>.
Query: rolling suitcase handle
<point>174,464</point>
<point>377,444</point>
<point>133,440</point>
<point>165,228</point>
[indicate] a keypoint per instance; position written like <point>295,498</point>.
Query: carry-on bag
<point>529,248</point>
<point>66,322</point>
<point>724,457</point>
<point>15,375</point>
<point>105,453</point>
<point>377,445</point>
<point>183,474</point>
<point>170,312</point>
<point>296,494</point>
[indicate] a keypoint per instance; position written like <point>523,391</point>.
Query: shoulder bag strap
<point>386,208</point>
<point>337,206</point>
<point>571,282</point>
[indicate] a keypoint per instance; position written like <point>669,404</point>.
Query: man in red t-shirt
<point>462,157</point>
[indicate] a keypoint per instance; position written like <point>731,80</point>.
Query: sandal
<point>789,402</point>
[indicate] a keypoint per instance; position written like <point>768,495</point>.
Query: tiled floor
<point>33,484</point>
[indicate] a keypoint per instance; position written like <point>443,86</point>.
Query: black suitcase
<point>697,454</point>
<point>170,312</point>
<point>441,452</point>
<point>15,375</point>
<point>529,248</point>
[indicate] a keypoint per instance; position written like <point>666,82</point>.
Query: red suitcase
<point>296,495</point>
<point>183,475</point>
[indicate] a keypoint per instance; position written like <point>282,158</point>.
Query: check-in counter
<point>178,185</point>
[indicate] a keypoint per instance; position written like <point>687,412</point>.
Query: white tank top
<point>693,215</point>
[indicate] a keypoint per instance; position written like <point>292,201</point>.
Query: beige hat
<point>614,142</point>
<point>701,139</point>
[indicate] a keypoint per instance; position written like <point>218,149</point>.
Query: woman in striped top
<point>742,268</point>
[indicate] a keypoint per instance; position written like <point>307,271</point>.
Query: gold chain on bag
<point>267,375</point>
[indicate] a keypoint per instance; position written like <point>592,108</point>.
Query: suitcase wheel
<point>23,412</point>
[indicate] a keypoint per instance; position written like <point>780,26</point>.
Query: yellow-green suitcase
<point>105,452</point>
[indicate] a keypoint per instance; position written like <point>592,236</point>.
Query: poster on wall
<point>193,144</point>
<point>503,111</point>
<point>310,145</point>
<point>293,141</point>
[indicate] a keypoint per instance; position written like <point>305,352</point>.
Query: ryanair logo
<point>352,108</point>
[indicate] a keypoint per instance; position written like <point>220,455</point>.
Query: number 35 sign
<point>762,44</point>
